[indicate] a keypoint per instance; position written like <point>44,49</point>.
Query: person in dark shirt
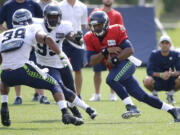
<point>6,13</point>
<point>9,7</point>
<point>163,70</point>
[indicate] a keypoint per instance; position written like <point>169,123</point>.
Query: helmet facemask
<point>52,16</point>
<point>53,20</point>
<point>98,29</point>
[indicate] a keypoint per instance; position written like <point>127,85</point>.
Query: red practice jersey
<point>115,17</point>
<point>114,37</point>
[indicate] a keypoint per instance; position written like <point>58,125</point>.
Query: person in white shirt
<point>59,68</point>
<point>76,12</point>
<point>20,71</point>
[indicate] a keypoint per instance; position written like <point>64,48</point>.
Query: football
<point>112,55</point>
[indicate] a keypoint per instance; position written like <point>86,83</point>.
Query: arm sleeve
<point>126,44</point>
<point>177,65</point>
<point>121,33</point>
<point>68,27</point>
<point>150,65</point>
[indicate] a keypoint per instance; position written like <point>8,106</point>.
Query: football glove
<point>65,61</point>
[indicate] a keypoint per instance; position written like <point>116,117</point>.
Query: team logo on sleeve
<point>60,35</point>
<point>111,42</point>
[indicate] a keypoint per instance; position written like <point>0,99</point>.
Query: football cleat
<point>5,115</point>
<point>175,112</point>
<point>18,101</point>
<point>69,119</point>
<point>44,100</point>
<point>132,111</point>
<point>92,113</point>
<point>75,112</point>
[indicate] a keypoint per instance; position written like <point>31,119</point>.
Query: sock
<point>4,98</point>
<point>62,104</point>
<point>80,103</point>
<point>171,92</point>
<point>166,106</point>
<point>128,101</point>
<point>19,96</point>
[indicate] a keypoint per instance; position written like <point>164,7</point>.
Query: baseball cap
<point>165,38</point>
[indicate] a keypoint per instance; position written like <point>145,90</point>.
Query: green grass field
<point>32,118</point>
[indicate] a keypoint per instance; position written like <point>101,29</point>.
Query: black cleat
<point>132,111</point>
<point>75,112</point>
<point>44,100</point>
<point>5,115</point>
<point>175,112</point>
<point>92,113</point>
<point>18,101</point>
<point>69,119</point>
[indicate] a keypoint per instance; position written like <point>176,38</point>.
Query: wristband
<point>105,52</point>
<point>115,60</point>
<point>160,75</point>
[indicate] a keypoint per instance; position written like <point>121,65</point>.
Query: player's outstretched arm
<point>44,38</point>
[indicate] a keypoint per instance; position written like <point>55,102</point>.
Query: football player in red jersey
<point>115,17</point>
<point>103,40</point>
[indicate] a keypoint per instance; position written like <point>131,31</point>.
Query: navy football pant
<point>27,75</point>
<point>121,79</point>
<point>67,78</point>
<point>56,74</point>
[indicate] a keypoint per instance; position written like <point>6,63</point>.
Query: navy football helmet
<point>100,20</point>
<point>52,15</point>
<point>21,17</point>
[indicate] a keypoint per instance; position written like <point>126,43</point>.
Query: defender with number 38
<point>15,47</point>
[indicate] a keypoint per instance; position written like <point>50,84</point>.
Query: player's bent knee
<point>56,89</point>
<point>109,80</point>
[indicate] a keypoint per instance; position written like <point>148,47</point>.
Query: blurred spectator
<point>76,12</point>
<point>43,3</point>
<point>6,13</point>
<point>11,6</point>
<point>114,18</point>
<point>163,70</point>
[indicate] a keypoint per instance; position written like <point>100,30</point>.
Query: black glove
<point>78,38</point>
